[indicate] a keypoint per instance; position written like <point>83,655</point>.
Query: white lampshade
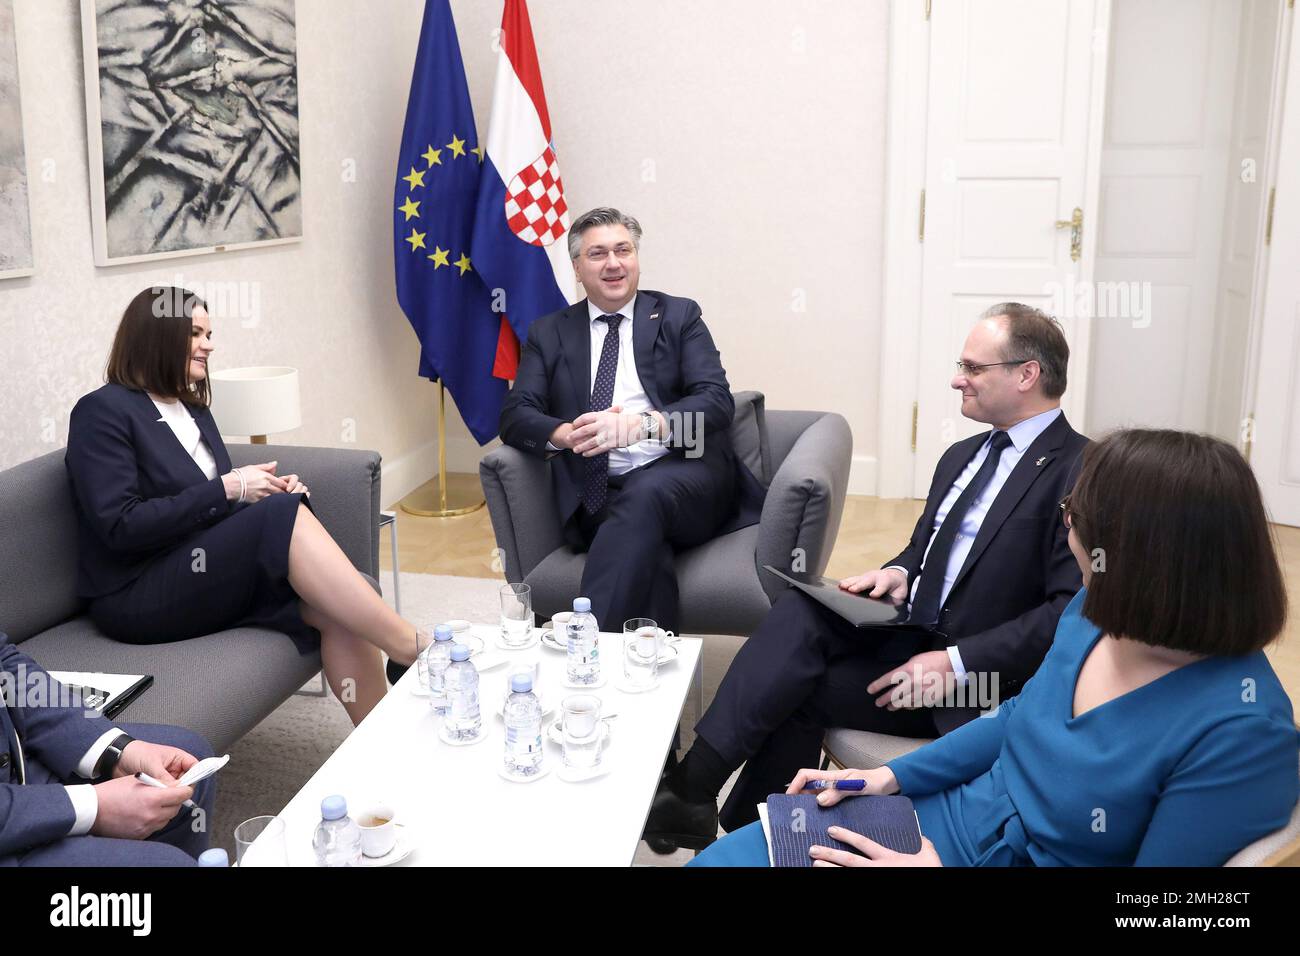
<point>256,401</point>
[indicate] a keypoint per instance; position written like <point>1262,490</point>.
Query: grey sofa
<point>803,458</point>
<point>221,685</point>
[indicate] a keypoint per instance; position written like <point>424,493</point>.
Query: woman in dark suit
<point>174,543</point>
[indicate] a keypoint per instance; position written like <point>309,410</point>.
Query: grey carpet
<point>272,763</point>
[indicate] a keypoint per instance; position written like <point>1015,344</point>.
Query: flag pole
<point>447,495</point>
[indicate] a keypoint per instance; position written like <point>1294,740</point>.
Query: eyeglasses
<point>970,371</point>
<point>598,254</point>
<point>1067,513</point>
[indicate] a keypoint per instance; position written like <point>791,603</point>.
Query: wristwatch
<point>109,758</point>
<point>650,425</point>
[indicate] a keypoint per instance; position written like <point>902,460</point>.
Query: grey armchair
<point>803,458</point>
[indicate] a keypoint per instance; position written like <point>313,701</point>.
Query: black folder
<point>858,609</point>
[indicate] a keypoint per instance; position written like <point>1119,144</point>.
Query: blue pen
<point>835,785</point>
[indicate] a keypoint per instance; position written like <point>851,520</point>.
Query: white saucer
<point>400,851</point>
<point>443,736</point>
<point>604,679</point>
<point>575,775</point>
<point>488,660</point>
<point>556,735</point>
<point>621,684</point>
<point>513,778</point>
<point>551,641</point>
<point>533,639</point>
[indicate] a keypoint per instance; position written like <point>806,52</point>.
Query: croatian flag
<point>521,224</point>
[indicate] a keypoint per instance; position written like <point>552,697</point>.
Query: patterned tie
<point>595,485</point>
<point>925,607</point>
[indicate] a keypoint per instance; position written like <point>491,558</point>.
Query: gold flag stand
<point>446,495</point>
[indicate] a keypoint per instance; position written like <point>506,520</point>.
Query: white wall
<point>747,136</point>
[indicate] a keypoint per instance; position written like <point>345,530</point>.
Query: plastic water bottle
<point>523,714</point>
<point>214,857</point>
<point>463,718</point>
<point>337,840</point>
<point>438,655</point>
<point>584,651</point>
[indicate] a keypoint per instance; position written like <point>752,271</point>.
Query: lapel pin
<point>1041,461</point>
<point>654,315</point>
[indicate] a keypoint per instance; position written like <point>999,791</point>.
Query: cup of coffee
<point>378,831</point>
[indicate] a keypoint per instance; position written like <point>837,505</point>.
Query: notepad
<point>794,823</point>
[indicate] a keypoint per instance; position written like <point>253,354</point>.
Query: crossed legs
<point>354,622</point>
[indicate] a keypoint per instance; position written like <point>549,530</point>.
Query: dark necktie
<point>925,607</point>
<point>595,483</point>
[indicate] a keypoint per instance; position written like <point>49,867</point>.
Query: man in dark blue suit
<point>67,794</point>
<point>626,394</point>
<point>988,567</point>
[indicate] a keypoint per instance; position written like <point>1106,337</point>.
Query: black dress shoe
<point>675,823</point>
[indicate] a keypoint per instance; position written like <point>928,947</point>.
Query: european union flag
<point>437,183</point>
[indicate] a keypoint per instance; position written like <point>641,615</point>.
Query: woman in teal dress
<point>1155,732</point>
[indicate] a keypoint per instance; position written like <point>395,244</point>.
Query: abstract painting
<point>15,216</point>
<point>192,116</point>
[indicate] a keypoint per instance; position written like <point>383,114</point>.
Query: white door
<point>1011,141</point>
<point>1164,183</point>
<point>1276,447</point>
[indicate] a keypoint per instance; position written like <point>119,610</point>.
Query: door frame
<point>905,161</point>
<point>1259,281</point>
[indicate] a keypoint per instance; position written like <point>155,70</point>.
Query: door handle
<point>1075,225</point>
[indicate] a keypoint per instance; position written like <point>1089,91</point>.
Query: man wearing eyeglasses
<point>626,394</point>
<point>988,567</point>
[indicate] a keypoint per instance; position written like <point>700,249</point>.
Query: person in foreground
<point>1155,733</point>
<point>988,568</point>
<point>67,794</point>
<point>174,543</point>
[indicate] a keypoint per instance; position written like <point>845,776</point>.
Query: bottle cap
<point>521,683</point>
<point>582,605</point>
<point>334,808</point>
<point>459,652</point>
<point>214,857</point>
<point>443,632</point>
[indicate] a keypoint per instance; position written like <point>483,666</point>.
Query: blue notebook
<point>795,823</point>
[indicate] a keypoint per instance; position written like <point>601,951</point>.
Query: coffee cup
<point>378,830</point>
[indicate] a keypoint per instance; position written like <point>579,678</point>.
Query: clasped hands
<point>595,433</point>
<point>880,782</point>
<point>261,481</point>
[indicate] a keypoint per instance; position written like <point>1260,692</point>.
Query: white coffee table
<point>459,811</point>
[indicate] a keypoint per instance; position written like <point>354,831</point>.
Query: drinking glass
<point>583,732</point>
<point>642,643</point>
<point>516,614</point>
<point>260,842</point>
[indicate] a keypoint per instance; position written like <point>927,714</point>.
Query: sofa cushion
<point>220,685</point>
<point>718,583</point>
<point>749,435</point>
<point>38,547</point>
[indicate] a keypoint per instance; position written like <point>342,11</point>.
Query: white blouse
<point>187,432</point>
